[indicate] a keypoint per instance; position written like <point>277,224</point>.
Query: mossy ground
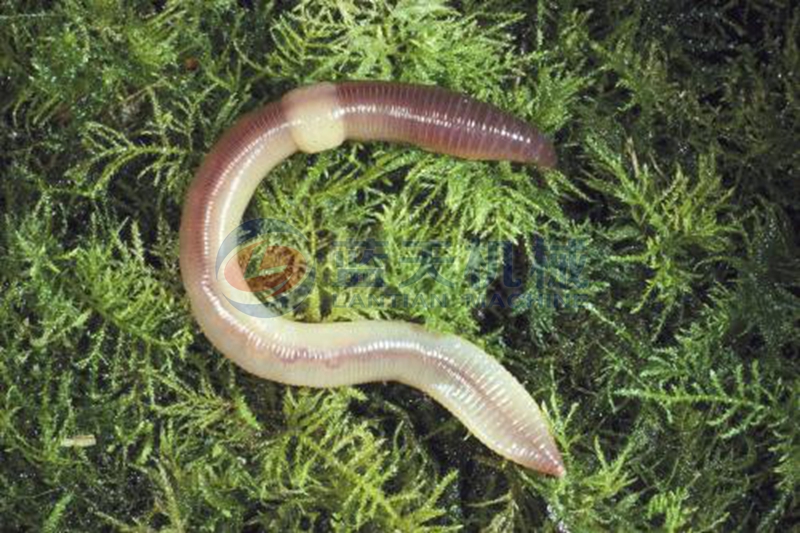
<point>671,378</point>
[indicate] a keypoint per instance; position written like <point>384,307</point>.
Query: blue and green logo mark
<point>265,258</point>
<point>266,271</point>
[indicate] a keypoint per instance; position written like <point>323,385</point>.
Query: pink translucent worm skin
<point>472,385</point>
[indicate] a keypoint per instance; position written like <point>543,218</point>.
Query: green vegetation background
<point>670,378</point>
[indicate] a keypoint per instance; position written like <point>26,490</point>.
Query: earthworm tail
<point>493,405</point>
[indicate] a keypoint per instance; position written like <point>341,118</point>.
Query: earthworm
<point>463,378</point>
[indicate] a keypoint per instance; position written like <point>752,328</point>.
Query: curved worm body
<point>493,405</point>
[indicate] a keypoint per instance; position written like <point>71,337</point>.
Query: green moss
<point>658,268</point>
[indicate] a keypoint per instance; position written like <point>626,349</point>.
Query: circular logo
<point>264,268</point>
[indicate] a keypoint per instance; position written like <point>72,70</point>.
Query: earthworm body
<point>493,405</point>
